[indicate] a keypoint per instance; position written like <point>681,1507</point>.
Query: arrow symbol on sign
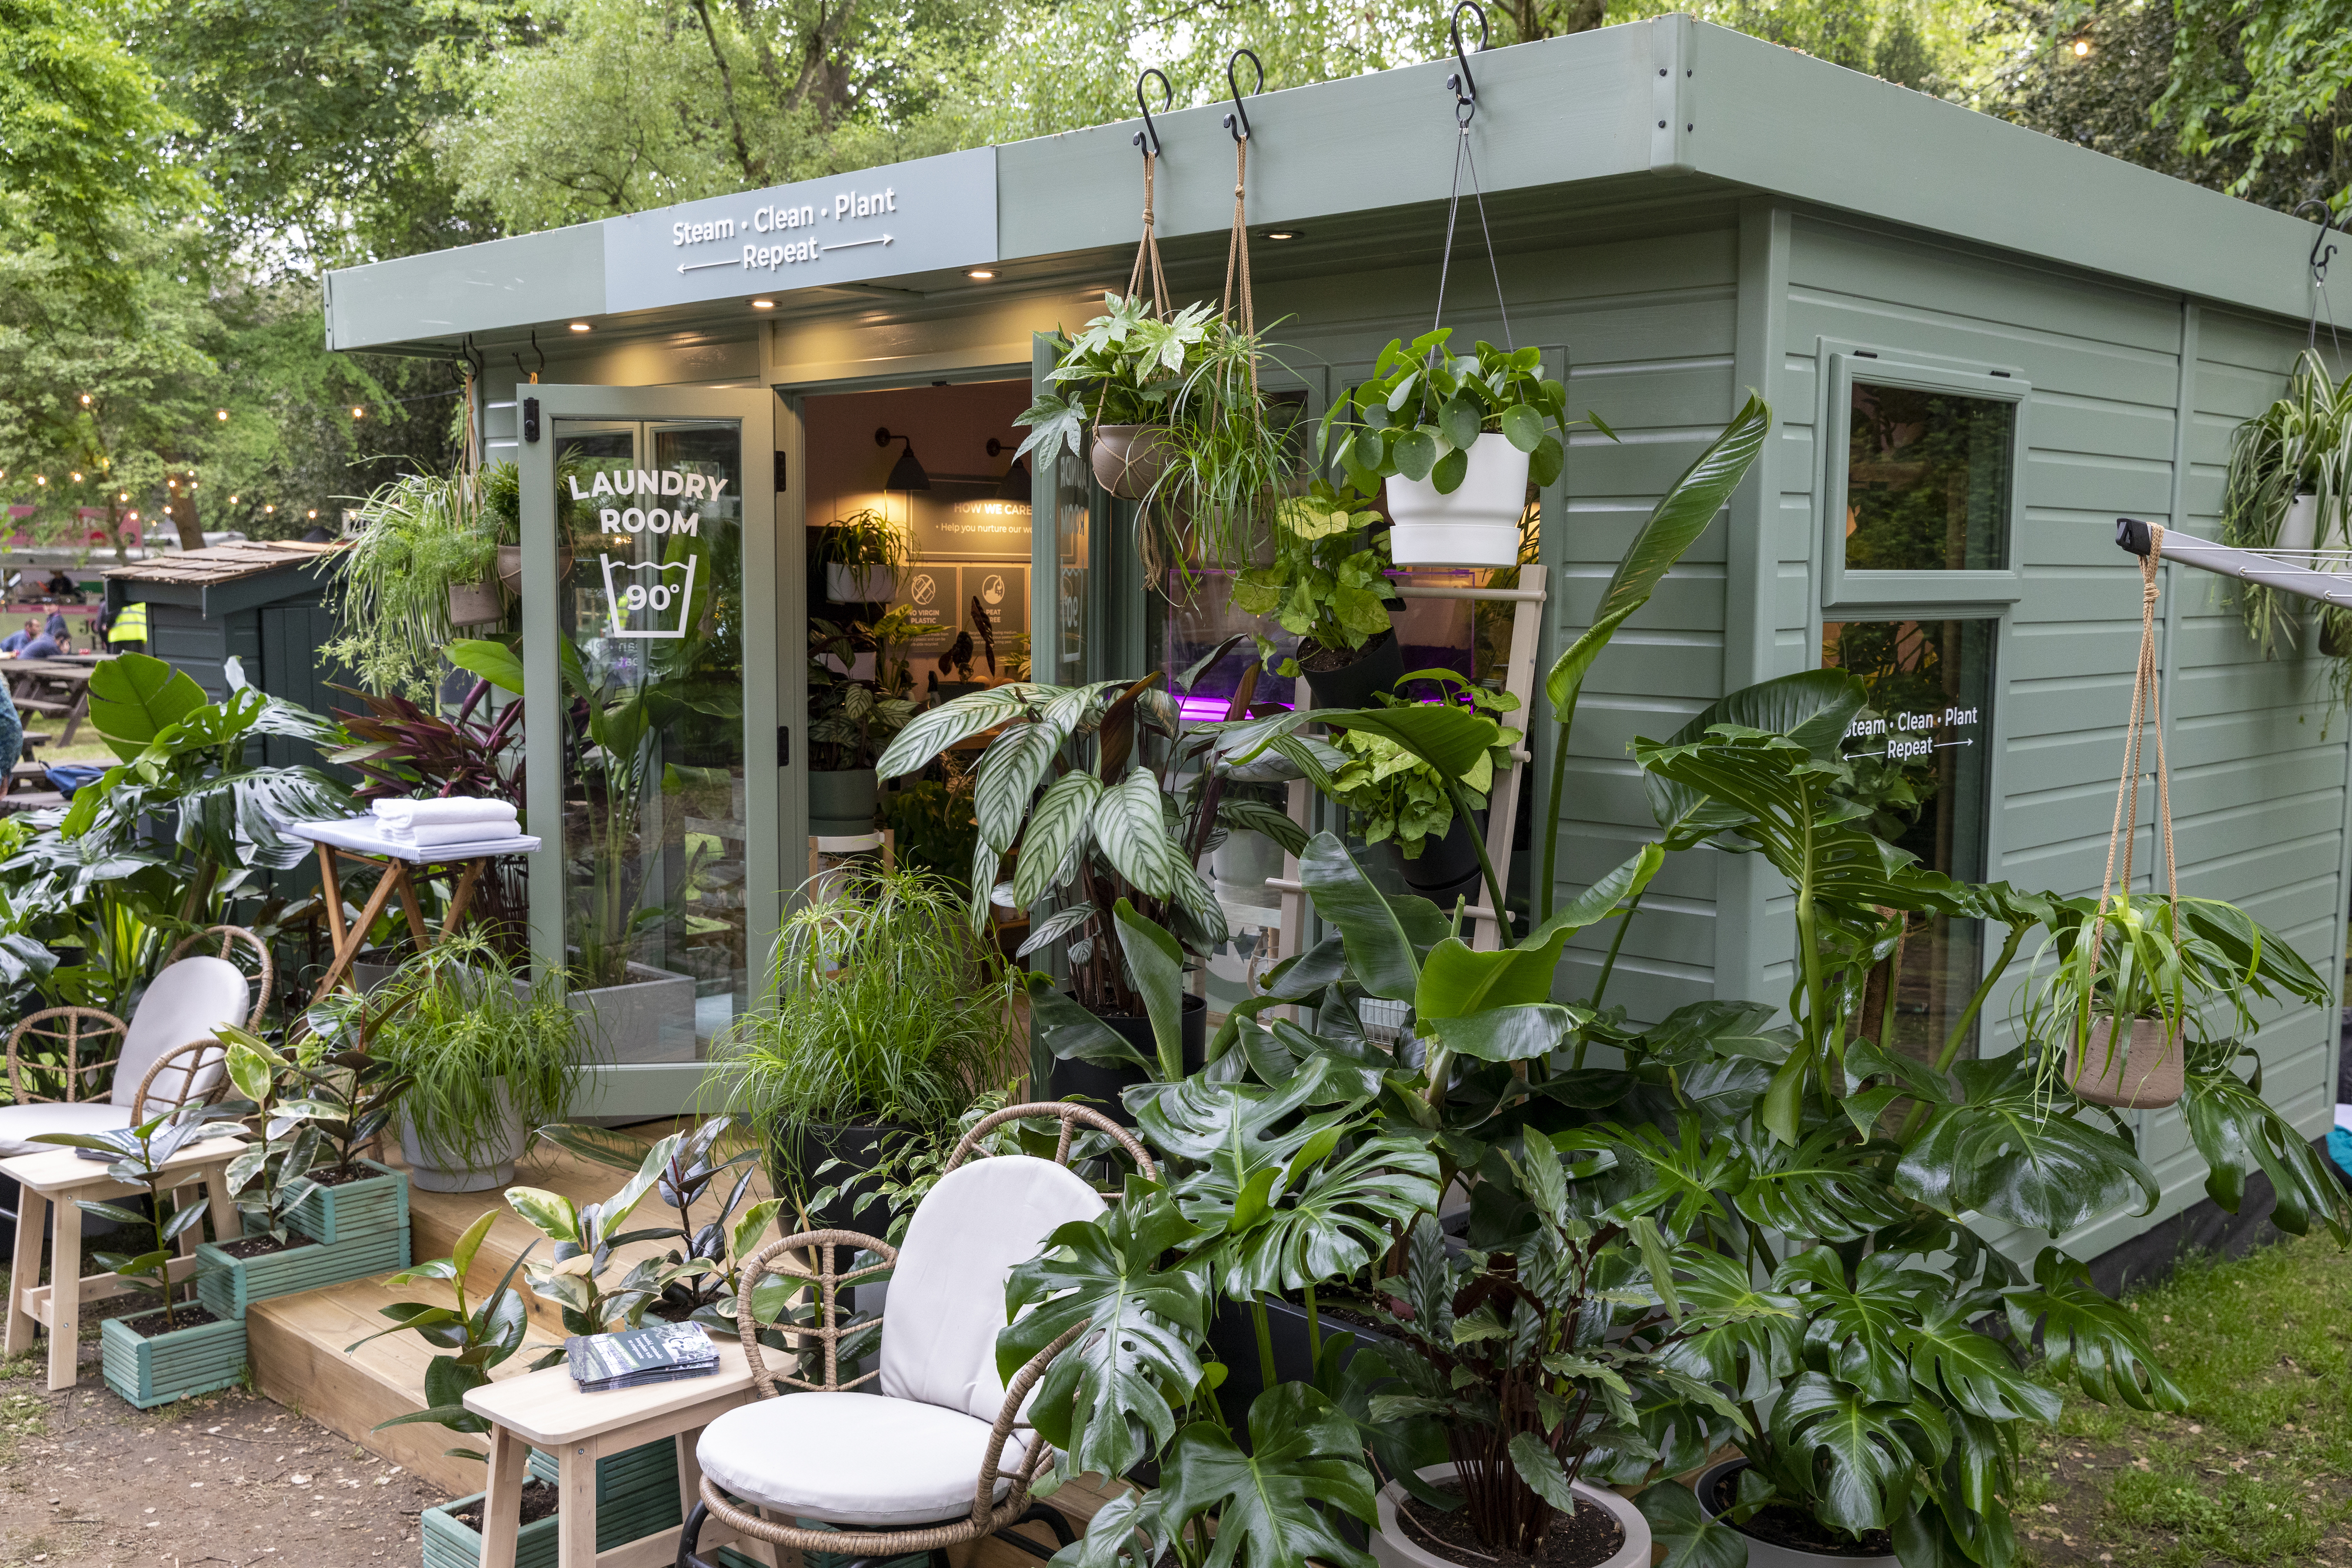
<point>698,265</point>
<point>853,245</point>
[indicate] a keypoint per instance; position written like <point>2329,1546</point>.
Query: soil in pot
<point>331,1176</point>
<point>253,1246</point>
<point>1344,677</point>
<point>1101,1085</point>
<point>1782,1525</point>
<point>185,1315</point>
<point>1580,1540</point>
<point>538,1501</point>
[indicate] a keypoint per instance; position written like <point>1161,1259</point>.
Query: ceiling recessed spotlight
<point>1282,234</point>
<point>980,275</point>
<point>763,305</point>
<point>580,326</point>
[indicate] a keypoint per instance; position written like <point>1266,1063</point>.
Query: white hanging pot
<point>2299,529</point>
<point>1477,525</point>
<point>860,584</point>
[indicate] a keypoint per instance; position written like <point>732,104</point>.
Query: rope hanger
<point>1465,88</point>
<point>1148,139</point>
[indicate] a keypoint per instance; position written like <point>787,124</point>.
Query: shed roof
<point>1665,108</point>
<point>225,563</point>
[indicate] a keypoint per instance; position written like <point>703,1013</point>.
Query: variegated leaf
<point>1058,822</point>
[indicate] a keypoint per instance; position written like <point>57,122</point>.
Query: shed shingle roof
<point>225,563</point>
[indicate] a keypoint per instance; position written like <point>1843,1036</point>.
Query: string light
<point>2081,47</point>
<point>355,410</point>
<point>269,509</point>
<point>85,400</point>
<point>77,478</point>
<point>220,414</point>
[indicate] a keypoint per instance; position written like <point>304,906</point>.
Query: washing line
<point>2325,575</point>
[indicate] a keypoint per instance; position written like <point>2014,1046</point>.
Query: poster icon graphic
<point>651,595</point>
<point>991,589</point>
<point>924,588</point>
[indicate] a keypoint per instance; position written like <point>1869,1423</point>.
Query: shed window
<point>1922,756</point>
<point>1927,480</point>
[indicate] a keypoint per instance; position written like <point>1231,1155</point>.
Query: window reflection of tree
<point>1909,667</point>
<point>1927,480</point>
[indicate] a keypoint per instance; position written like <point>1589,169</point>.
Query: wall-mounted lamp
<point>906,474</point>
<point>1284,234</point>
<point>980,275</point>
<point>1014,486</point>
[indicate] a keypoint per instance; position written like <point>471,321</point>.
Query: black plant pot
<point>1102,1085</point>
<point>794,1155</point>
<point>1450,865</point>
<point>841,801</point>
<point>1379,665</point>
<point>1234,1339</point>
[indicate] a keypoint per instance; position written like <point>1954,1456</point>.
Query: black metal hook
<point>2318,262</point>
<point>472,356</point>
<point>1464,85</point>
<point>1241,132</point>
<point>540,352</point>
<point>1167,102</point>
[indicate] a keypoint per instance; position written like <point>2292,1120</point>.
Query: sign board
<point>923,216</point>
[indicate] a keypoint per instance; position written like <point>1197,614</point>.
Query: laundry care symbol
<point>633,588</point>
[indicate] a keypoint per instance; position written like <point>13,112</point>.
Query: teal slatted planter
<point>449,1544</point>
<point>636,1496</point>
<point>376,1204</point>
<point>149,1372</point>
<point>229,1285</point>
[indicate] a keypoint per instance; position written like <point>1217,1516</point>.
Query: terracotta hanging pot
<point>1129,459</point>
<point>474,604</point>
<point>1476,525</point>
<point>2143,1073</point>
<point>511,567</point>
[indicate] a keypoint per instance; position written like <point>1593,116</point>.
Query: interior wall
<point>950,426</point>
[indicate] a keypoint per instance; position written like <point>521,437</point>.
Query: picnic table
<point>58,687</point>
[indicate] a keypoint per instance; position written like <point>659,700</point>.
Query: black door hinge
<point>779,472</point>
<point>784,747</point>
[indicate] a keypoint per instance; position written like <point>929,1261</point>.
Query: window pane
<point>1927,481</point>
<point>654,779</point>
<point>1922,752</point>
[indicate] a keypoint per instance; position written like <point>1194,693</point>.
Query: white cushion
<point>189,1001</point>
<point>853,1459</point>
<point>20,1123</point>
<point>946,1294</point>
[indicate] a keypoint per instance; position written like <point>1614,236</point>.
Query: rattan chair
<point>937,1456</point>
<point>165,1057</point>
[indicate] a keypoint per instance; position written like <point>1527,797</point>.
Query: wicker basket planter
<point>368,1207</point>
<point>229,1285</point>
<point>154,1370</point>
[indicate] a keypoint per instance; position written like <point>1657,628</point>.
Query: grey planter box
<point>151,1372</point>
<point>369,1207</point>
<point>636,1496</point>
<point>650,1019</point>
<point>229,1285</point>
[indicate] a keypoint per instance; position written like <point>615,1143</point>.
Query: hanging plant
<point>2290,468</point>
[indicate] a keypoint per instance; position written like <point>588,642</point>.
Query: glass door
<point>655,892</point>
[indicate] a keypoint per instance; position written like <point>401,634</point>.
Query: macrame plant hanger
<point>1237,257</point>
<point>1147,248</point>
<point>2134,1069</point>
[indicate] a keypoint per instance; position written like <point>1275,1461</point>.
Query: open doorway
<point>918,559</point>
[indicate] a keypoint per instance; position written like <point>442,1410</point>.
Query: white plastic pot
<point>860,584</point>
<point>1392,1548</point>
<point>1769,1554</point>
<point>1477,525</point>
<point>433,1169</point>
<point>2299,529</point>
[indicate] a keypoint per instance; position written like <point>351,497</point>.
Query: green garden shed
<point>1982,345</point>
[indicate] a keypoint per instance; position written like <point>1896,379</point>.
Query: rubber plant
<point>481,1334</point>
<point>584,1236</point>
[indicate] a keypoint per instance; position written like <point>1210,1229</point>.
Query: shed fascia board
<point>487,288</point>
<point>1668,98</point>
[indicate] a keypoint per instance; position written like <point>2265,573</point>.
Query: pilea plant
<point>1422,409</point>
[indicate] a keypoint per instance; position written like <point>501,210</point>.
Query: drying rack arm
<point>2334,588</point>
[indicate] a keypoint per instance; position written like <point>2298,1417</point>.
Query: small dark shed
<point>256,601</point>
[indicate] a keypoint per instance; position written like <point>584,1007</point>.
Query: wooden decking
<point>296,1343</point>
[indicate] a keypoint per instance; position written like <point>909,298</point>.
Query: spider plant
<point>417,536</point>
<point>2299,446</point>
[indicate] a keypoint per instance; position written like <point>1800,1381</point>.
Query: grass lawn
<point>2257,1471</point>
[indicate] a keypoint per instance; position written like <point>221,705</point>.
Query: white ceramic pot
<point>860,584</point>
<point>1477,525</point>
<point>1765,1553</point>
<point>1392,1548</point>
<point>435,1170</point>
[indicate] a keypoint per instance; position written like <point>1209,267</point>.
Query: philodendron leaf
<point>1673,525</point>
<point>2085,1335</point>
<point>2238,1134</point>
<point>1692,1539</point>
<point>2009,1150</point>
<point>135,698</point>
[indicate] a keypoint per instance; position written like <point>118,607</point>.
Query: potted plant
<point>1121,372</point>
<point>891,1015</point>
<point>2290,470</point>
<point>1393,797</point>
<point>1458,439</point>
<point>585,1236</point>
<point>1328,586</point>
<point>501,491</point>
<point>850,720</point>
<point>153,1358</point>
<point>863,555</point>
<point>703,1166</point>
<point>418,567</point>
<point>487,1057</point>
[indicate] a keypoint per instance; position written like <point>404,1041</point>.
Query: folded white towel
<point>404,814</point>
<point>432,835</point>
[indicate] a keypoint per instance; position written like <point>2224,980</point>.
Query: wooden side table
<point>546,1410</point>
<point>361,841</point>
<point>55,1181</point>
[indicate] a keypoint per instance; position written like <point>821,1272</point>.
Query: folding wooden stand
<point>398,877</point>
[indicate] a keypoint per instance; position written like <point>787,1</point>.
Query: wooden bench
<point>33,801</point>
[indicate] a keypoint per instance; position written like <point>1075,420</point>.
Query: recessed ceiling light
<point>763,305</point>
<point>1282,234</point>
<point>980,275</point>
<point>580,326</point>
